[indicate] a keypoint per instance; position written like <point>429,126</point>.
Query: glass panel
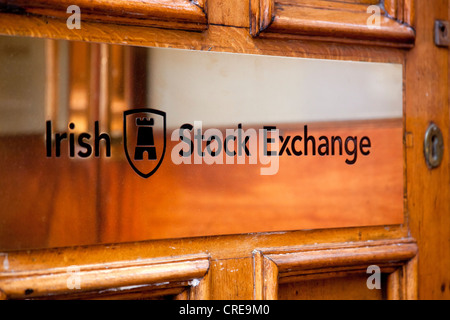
<point>103,143</point>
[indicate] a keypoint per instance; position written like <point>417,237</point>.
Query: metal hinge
<point>442,33</point>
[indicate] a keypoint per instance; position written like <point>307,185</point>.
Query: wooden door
<point>101,246</point>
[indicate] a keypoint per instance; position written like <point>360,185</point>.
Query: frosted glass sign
<point>103,143</point>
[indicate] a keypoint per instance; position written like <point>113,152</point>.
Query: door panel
<point>412,253</point>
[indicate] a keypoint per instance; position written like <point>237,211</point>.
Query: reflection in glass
<point>85,88</point>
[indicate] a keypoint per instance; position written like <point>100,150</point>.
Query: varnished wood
<point>173,14</point>
<point>159,291</point>
<point>262,13</point>
<point>232,273</point>
<point>230,256</point>
<point>233,13</point>
<point>395,286</point>
<point>104,275</point>
<point>114,195</point>
<point>427,100</point>
<point>410,284</point>
<point>426,192</point>
<point>52,87</point>
<point>271,265</point>
<point>218,247</point>
<point>402,10</point>
<point>330,19</point>
<point>200,288</point>
<point>391,7</point>
<point>216,38</point>
<point>409,12</point>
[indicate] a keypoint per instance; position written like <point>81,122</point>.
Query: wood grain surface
<point>172,14</point>
<point>427,100</point>
<point>334,19</point>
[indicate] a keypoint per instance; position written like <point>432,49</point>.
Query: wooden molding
<point>169,14</point>
<point>398,258</point>
<point>401,10</point>
<point>261,15</point>
<point>144,277</point>
<point>334,21</point>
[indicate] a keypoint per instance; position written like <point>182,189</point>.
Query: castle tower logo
<point>144,139</point>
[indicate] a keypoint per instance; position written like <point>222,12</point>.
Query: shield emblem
<point>144,139</point>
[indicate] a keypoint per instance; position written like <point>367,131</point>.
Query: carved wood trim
<point>334,21</point>
<point>261,15</point>
<point>398,258</point>
<point>401,10</point>
<point>154,277</point>
<point>170,14</point>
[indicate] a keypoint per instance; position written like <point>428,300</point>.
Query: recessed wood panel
<point>351,287</point>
